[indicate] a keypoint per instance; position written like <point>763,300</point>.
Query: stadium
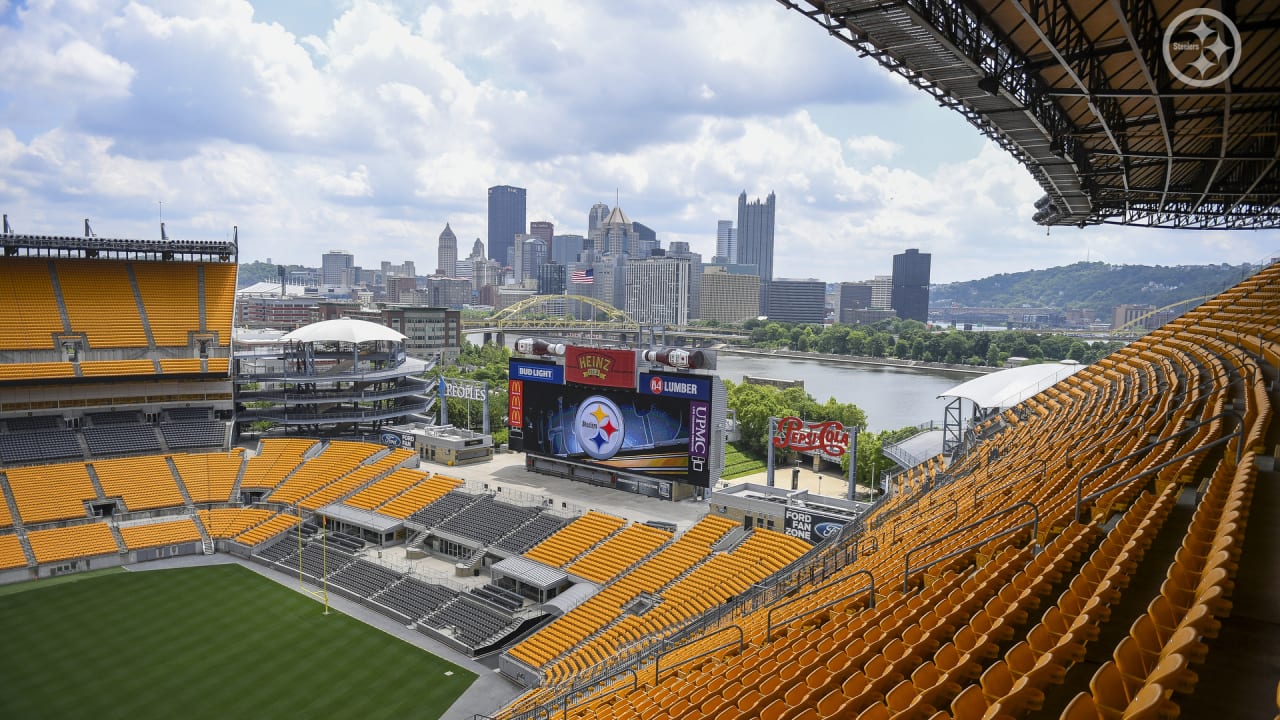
<point>1091,555</point>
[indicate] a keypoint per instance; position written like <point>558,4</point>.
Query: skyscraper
<point>566,248</point>
<point>506,219</point>
<point>755,240</point>
<point>615,236</point>
<point>596,217</point>
<point>337,268</point>
<point>727,242</point>
<point>448,253</point>
<point>727,297</point>
<point>911,285</point>
<point>680,249</point>
<point>644,242</point>
<point>544,230</point>
<point>657,290</point>
<point>798,301</point>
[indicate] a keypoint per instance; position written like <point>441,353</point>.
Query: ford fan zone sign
<point>829,438</point>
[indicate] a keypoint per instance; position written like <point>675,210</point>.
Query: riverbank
<point>857,360</point>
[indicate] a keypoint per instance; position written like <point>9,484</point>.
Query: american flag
<point>583,277</point>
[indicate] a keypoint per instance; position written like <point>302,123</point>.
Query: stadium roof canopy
<point>1007,388</point>
<point>345,329</point>
<point>1136,112</point>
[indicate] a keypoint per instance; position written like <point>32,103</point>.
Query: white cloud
<point>371,129</point>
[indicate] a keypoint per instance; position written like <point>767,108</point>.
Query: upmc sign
<point>828,438</point>
<point>600,366</point>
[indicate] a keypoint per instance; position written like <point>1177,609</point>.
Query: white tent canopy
<point>347,330</point>
<point>1007,388</point>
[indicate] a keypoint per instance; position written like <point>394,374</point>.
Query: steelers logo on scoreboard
<point>599,427</point>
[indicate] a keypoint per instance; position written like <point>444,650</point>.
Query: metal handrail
<point>657,658</point>
<point>1149,446</point>
<point>871,596</point>
<point>1035,531</point>
<point>1094,495</point>
<point>1044,467</point>
<point>635,683</point>
<point>954,511</point>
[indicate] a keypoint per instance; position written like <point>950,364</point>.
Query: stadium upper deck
<point>1157,113</point>
<point>95,307</point>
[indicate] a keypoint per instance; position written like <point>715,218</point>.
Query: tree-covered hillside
<point>1096,285</point>
<point>258,271</point>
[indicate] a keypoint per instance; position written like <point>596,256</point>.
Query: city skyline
<point>368,126</point>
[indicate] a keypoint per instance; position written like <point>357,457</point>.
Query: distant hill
<point>1097,286</point>
<point>259,271</point>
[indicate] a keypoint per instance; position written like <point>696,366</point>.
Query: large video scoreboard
<point>597,409</point>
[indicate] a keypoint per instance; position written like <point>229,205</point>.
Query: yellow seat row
<point>67,543</point>
<point>175,532</point>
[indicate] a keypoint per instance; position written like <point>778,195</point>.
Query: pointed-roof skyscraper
<point>448,253</point>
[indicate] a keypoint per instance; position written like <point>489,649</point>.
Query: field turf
<point>209,642</point>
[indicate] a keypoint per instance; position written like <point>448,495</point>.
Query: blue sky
<point>367,126</point>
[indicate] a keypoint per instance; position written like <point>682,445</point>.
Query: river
<point>891,397</point>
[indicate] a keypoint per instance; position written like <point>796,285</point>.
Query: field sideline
<point>209,642</point>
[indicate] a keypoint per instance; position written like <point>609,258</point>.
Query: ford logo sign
<point>827,529</point>
<point>391,439</point>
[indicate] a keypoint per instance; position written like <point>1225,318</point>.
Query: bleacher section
<point>574,539</point>
<point>388,487</point>
<point>198,434</point>
<point>35,446</point>
<point>100,303</point>
<point>77,541</point>
<point>209,477</point>
<point>997,594</point>
<point>469,621</point>
<point>219,305</point>
<point>486,519</point>
<point>144,483</point>
<point>121,439</point>
<point>31,316</point>
<point>337,459</point>
<point>413,598</point>
<point>276,459</point>
<point>618,553</point>
<point>170,294</point>
<point>535,531</point>
<point>50,492</point>
<point>225,523</point>
<point>11,554</point>
<point>176,532</point>
<point>267,530</point>
<point>357,479</point>
<point>436,513</point>
<point>424,493</point>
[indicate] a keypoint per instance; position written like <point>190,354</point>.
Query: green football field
<point>209,642</point>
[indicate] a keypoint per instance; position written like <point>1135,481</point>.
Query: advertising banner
<point>671,385</point>
<point>534,371</point>
<point>811,526</point>
<point>602,367</point>
<point>658,436</point>
<point>829,438</point>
